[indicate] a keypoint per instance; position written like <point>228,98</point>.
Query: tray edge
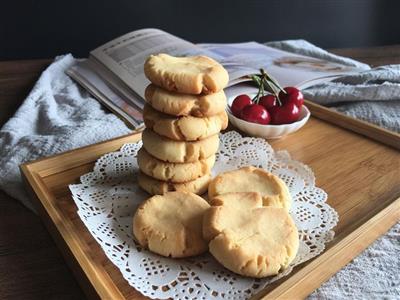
<point>69,247</point>
<point>369,130</point>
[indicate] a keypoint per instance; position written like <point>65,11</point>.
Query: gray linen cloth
<point>372,95</point>
<point>58,115</point>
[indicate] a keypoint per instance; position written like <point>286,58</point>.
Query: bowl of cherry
<point>268,115</point>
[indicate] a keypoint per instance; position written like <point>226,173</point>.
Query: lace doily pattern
<point>108,196</point>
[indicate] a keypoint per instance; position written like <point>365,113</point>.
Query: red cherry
<point>256,113</point>
<point>292,95</point>
<point>268,101</point>
<point>239,103</point>
<point>285,114</point>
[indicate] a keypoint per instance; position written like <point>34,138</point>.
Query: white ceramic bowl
<point>267,131</point>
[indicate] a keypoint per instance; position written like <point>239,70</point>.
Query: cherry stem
<point>271,87</point>
<point>266,82</point>
<point>263,81</point>
<point>272,84</point>
<point>259,83</point>
<point>262,88</point>
<point>271,79</point>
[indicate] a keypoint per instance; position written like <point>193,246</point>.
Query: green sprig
<point>266,82</point>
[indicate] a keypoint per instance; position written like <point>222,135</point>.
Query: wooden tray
<point>360,175</point>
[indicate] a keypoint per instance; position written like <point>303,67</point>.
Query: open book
<point>114,72</point>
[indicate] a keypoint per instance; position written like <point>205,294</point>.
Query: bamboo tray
<point>359,171</point>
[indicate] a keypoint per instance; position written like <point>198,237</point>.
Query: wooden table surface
<point>31,266</point>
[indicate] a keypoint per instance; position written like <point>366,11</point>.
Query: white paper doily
<point>108,196</point>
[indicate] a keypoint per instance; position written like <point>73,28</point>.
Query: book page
<point>122,105</point>
<point>116,84</point>
<point>125,56</point>
<point>288,69</point>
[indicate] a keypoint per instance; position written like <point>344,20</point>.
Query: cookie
<point>178,151</point>
<point>248,238</point>
<point>184,104</point>
<point>171,224</point>
<point>250,179</point>
<point>186,128</point>
<point>188,75</point>
<point>157,187</point>
<point>173,172</point>
<point>212,225</point>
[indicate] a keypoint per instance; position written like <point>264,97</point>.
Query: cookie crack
<point>168,173</point>
<point>246,265</point>
<point>177,126</point>
<point>203,167</point>
<point>151,168</point>
<point>190,153</point>
<point>147,231</point>
<point>242,240</point>
<point>186,243</point>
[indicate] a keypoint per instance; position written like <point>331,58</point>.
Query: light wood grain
<point>360,175</point>
<point>372,131</point>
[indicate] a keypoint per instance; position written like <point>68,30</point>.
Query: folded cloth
<point>305,48</point>
<point>372,95</point>
<point>374,274</point>
<point>58,115</point>
<point>55,117</point>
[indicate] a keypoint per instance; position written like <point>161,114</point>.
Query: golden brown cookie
<point>157,187</point>
<point>189,75</point>
<point>213,225</point>
<point>250,179</point>
<point>186,128</point>
<point>173,172</point>
<point>178,151</point>
<point>184,104</point>
<point>248,238</point>
<point>171,224</point>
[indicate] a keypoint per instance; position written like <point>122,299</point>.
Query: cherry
<point>285,114</point>
<point>256,113</point>
<point>268,101</point>
<point>239,103</point>
<point>292,95</point>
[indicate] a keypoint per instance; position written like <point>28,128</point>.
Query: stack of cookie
<point>184,113</point>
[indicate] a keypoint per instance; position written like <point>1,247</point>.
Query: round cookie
<point>170,225</point>
<point>173,172</point>
<point>248,238</point>
<point>157,187</point>
<point>273,190</point>
<point>179,151</point>
<point>184,104</point>
<point>188,75</point>
<point>186,128</point>
<point>213,224</point>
